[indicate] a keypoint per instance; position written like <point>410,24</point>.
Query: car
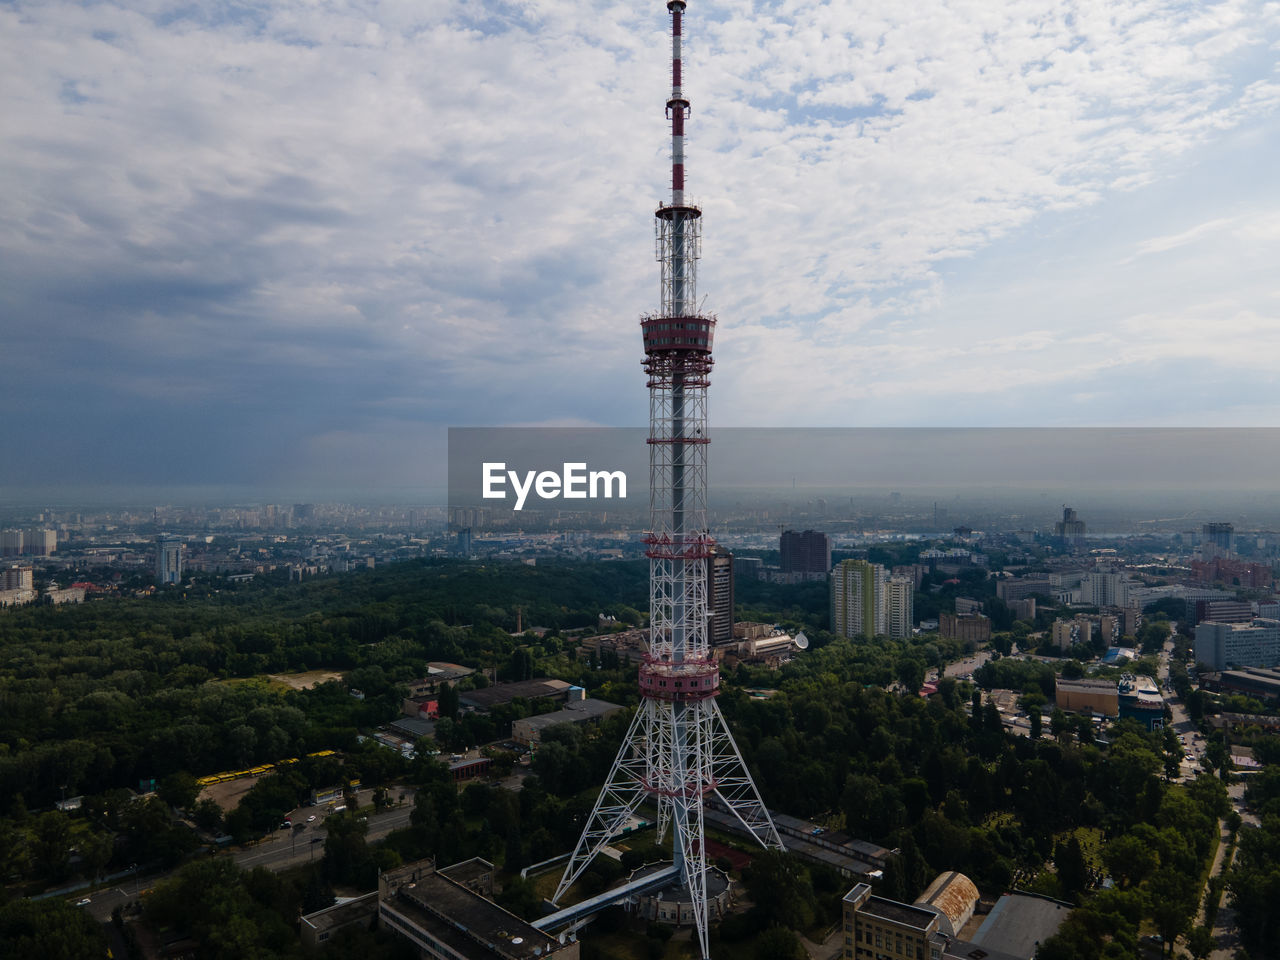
<point>83,903</point>
<point>1189,756</point>
<point>311,818</point>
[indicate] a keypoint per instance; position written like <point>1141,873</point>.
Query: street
<point>277,851</point>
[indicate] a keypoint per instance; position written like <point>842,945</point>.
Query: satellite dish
<point>801,641</point>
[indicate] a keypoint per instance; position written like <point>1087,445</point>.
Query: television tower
<point>678,751</point>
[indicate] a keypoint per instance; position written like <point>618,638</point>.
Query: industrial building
<point>486,698</point>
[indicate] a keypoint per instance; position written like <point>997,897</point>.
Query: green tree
<point>778,943</point>
<point>52,844</point>
<point>781,889</point>
<point>179,790</point>
<point>49,929</point>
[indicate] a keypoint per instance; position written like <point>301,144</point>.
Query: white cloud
<point>438,204</point>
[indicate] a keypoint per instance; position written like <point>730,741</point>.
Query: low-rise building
<point>1099,697</point>
<point>445,918</point>
<point>529,730</point>
<point>318,928</point>
<point>439,674</point>
<point>1018,924</point>
<point>486,698</point>
<point>1139,699</point>
<point>1251,681</point>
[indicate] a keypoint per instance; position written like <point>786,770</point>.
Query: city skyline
<point>268,246</point>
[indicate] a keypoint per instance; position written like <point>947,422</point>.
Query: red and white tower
<point>678,750</point>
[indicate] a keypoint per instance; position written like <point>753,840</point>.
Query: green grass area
<point>1090,845</point>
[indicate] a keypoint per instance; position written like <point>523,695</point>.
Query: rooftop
<point>573,712</point>
<point>439,670</point>
<point>340,914</point>
<point>414,727</point>
<point>488,697</point>
<point>954,894</point>
<point>1086,684</point>
<point>467,923</point>
<point>1019,922</point>
<point>916,917</point>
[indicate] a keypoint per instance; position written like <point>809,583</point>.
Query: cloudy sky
<point>291,243</point>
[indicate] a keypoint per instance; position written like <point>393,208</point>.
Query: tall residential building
<point>901,612</point>
<point>858,599</point>
<point>168,559</point>
<point>1103,588</point>
<point>15,577</point>
<point>807,552</point>
<point>720,595</point>
<point>10,543</point>
<point>39,542</point>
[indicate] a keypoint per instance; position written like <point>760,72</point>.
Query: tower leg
<point>622,793</point>
<point>675,755</point>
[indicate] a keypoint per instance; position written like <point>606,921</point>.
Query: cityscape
<point>342,615</point>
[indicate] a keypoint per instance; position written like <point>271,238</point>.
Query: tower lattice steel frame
<point>678,750</point>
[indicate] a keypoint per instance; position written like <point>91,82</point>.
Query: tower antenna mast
<point>678,752</point>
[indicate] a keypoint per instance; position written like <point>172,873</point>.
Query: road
<point>278,851</point>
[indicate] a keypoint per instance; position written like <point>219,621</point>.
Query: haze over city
<point>286,247</point>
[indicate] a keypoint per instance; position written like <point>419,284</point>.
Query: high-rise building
<point>11,543</point>
<point>14,577</point>
<point>720,595</point>
<point>805,553</point>
<point>748,568</point>
<point>1217,539</point>
<point>1069,530</point>
<point>39,542</point>
<point>168,559</point>
<point>900,600</point>
<point>858,599</point>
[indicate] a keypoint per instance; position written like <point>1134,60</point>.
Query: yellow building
<point>1089,696</point>
<point>880,929</point>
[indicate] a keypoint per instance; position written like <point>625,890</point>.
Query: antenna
<point>678,752</point>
